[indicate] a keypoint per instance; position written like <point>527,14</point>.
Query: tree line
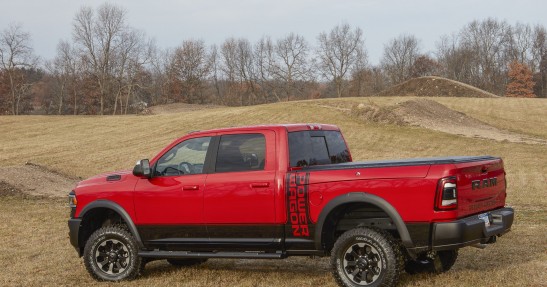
<point>109,67</point>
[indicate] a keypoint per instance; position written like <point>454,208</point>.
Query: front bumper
<point>471,230</point>
<point>73,230</point>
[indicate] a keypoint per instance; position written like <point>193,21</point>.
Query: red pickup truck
<point>287,190</point>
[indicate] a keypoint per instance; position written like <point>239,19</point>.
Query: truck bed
<point>401,162</point>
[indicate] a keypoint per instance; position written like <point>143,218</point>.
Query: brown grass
<point>35,250</point>
<point>431,86</point>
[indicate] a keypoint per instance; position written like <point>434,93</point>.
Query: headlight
<point>72,201</point>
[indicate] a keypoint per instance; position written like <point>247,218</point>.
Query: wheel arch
<point>101,205</point>
<point>366,198</point>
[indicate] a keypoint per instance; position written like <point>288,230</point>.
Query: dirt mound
<point>378,114</point>
<point>177,108</point>
<point>32,179</point>
<point>432,115</point>
<point>435,87</point>
<point>7,189</point>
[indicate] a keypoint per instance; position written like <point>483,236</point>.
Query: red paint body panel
<point>243,197</point>
<point>471,200</point>
<point>163,200</point>
<point>98,188</point>
<point>260,197</point>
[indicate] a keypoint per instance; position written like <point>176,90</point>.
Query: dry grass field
<point>35,250</point>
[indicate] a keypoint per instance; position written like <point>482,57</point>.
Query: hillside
<point>86,145</point>
<point>435,87</point>
<point>178,108</point>
<point>430,114</point>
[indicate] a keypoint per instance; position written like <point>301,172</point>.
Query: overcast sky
<point>170,22</point>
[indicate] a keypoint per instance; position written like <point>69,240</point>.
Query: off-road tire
<point>423,264</point>
<point>371,254</point>
<point>186,262</point>
<point>117,245</point>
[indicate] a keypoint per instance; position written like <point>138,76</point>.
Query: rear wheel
<point>366,257</point>
<point>186,262</point>
<point>110,254</point>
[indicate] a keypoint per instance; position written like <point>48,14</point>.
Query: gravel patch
<point>34,180</point>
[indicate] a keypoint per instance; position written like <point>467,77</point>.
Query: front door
<point>239,205</point>
<point>169,205</point>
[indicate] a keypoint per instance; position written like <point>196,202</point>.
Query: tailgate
<point>481,186</point>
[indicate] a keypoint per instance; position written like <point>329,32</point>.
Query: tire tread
<point>379,235</point>
<point>117,231</point>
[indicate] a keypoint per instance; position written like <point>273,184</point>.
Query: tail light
<point>447,194</point>
<point>314,126</point>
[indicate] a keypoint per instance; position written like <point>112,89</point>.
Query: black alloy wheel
<point>110,254</point>
<point>366,257</point>
<point>362,263</point>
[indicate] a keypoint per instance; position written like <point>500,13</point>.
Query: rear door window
<point>308,148</point>
<point>241,152</point>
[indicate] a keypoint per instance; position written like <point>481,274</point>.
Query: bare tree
<point>520,45</point>
<point>487,40</point>
<point>190,65</point>
<point>97,36</point>
<point>479,54</point>
<point>424,65</point>
<point>132,54</point>
<point>292,65</point>
<point>539,55</point>
<point>399,56</point>
<point>228,51</point>
<point>265,68</point>
<point>361,83</point>
<point>456,61</point>
<point>160,82</point>
<point>215,72</point>
<point>65,68</point>
<point>238,68</point>
<point>16,54</point>
<point>338,53</point>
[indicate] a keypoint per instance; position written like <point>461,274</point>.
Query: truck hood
<point>106,178</point>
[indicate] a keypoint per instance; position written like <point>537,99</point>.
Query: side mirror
<point>142,168</point>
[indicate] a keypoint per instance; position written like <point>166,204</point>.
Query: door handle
<point>190,187</point>
<point>260,184</point>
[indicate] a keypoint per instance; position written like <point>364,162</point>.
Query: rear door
<point>481,186</point>
<point>239,205</point>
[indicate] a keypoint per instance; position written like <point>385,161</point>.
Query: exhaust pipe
<point>479,245</point>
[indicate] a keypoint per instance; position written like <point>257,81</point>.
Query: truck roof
<point>288,127</point>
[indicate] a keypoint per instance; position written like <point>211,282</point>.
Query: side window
<point>319,151</point>
<point>308,148</point>
<point>338,150</point>
<point>242,152</point>
<point>188,157</point>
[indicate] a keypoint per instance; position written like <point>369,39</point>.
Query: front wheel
<point>110,254</point>
<point>366,257</point>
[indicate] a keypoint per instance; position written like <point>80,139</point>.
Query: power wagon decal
<point>297,203</point>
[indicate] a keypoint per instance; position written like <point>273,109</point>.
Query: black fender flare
<point>354,197</point>
<point>103,203</point>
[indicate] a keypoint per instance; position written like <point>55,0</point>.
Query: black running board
<point>186,254</point>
